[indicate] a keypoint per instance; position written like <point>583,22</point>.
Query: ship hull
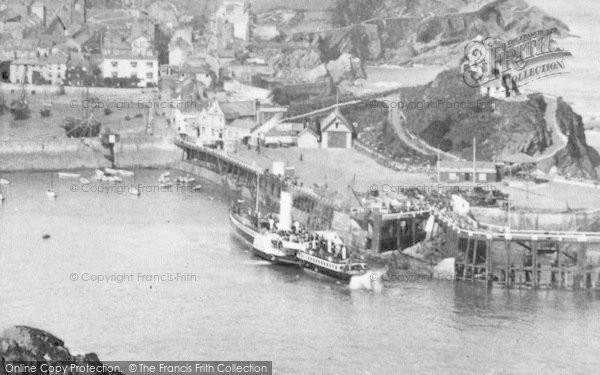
<point>245,233</point>
<point>324,267</point>
<point>249,235</point>
<point>313,268</point>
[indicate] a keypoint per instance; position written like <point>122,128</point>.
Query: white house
<point>265,32</point>
<point>226,121</point>
<point>144,68</point>
<point>52,69</point>
<point>308,138</point>
<point>22,69</point>
<point>187,118</point>
<point>201,73</point>
<point>336,131</point>
<point>184,33</point>
<point>236,13</point>
<point>179,50</point>
<point>141,46</point>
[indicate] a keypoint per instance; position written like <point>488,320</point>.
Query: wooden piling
<point>466,258</point>
<point>413,239</point>
<point>474,259</point>
<point>507,248</point>
<point>534,263</point>
<point>488,259</point>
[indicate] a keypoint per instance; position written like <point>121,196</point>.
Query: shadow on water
<point>483,301</point>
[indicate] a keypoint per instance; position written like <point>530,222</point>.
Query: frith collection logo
<point>491,62</point>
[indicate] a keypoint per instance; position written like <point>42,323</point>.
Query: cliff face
<point>422,31</point>
<point>577,159</point>
<point>25,344</point>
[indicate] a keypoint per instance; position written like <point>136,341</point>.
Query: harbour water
<point>229,305</point>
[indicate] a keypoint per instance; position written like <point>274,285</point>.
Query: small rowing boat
<point>125,173</point>
<point>187,179</point>
<point>68,175</point>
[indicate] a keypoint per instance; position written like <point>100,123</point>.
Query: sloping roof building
<point>336,131</point>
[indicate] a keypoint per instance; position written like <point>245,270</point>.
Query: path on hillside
<point>559,140</point>
<point>398,121</point>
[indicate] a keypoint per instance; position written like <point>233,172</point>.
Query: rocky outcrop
<point>448,114</point>
<point>577,159</point>
<point>31,345</point>
<point>291,63</point>
<point>345,68</point>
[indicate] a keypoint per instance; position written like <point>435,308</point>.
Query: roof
<point>335,117</point>
<point>234,110</point>
<point>78,60</point>
<point>246,124</point>
<point>308,130</point>
<point>466,166</point>
<point>56,58</point>
<point>17,45</point>
<point>194,107</point>
<point>127,56</point>
<point>519,158</point>
<point>280,133</point>
<point>26,62</point>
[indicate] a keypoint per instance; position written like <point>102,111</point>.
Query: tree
<point>280,96</point>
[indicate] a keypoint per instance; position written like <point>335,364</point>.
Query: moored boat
<point>337,268</point>
<point>68,175</point>
<point>328,255</point>
<point>270,246</point>
<point>185,179</point>
<point>242,227</point>
<point>266,245</point>
<point>125,173</point>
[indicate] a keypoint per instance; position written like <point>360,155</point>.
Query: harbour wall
<point>78,90</point>
<point>73,153</point>
<point>564,221</point>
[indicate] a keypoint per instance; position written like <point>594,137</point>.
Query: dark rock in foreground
<point>28,345</point>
